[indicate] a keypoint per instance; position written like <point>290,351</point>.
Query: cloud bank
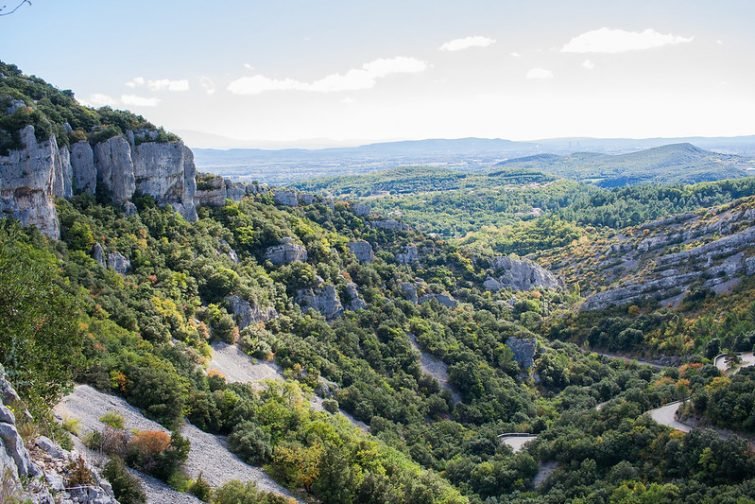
<point>613,41</point>
<point>159,84</point>
<point>355,79</point>
<point>461,44</point>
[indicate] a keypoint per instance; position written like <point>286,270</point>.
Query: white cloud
<point>208,85</point>
<point>588,65</point>
<point>139,101</point>
<point>467,43</point>
<point>159,84</point>
<point>99,100</point>
<point>355,79</point>
<point>136,82</point>
<point>248,66</point>
<point>516,55</point>
<point>348,101</point>
<point>539,74</point>
<point>612,41</point>
<point>720,42</point>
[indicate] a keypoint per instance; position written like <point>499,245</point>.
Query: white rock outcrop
<point>27,183</point>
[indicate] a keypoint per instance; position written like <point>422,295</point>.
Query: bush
<point>127,488</point>
<point>112,419</point>
<point>251,443</point>
<point>330,405</point>
<point>201,489</point>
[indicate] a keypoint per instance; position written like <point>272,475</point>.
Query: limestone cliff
<point>33,176</point>
<point>28,182</point>
<point>667,260</point>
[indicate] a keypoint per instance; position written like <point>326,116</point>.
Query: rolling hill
<point>676,163</point>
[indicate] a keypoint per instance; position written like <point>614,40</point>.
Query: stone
<point>6,415</point>
<point>305,198</point>
<point>286,198</point>
<point>211,191</point>
<point>51,448</point>
<point>286,253</point>
<point>524,350</point>
<point>26,183</point>
<point>14,447</point>
<point>444,299</point>
<point>246,313</point>
<point>98,254</point>
<point>84,171</point>
<point>389,225</point>
<point>409,255</point>
<point>520,275</point>
<point>118,263</point>
<point>362,250</point>
<point>354,300</point>
<point>324,299</point>
<point>360,209</point>
<point>130,209</point>
<point>409,291</point>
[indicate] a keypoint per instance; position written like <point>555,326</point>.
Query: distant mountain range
<point>677,163</point>
<point>284,166</point>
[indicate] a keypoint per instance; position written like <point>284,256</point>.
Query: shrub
<point>127,488</point>
<point>112,419</point>
<point>72,425</point>
<point>201,489</point>
<point>79,474</point>
<point>251,443</point>
<point>330,405</point>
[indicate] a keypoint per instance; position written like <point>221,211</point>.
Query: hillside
<point>678,163</point>
<point>276,344</point>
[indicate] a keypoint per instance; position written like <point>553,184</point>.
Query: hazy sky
<point>284,70</point>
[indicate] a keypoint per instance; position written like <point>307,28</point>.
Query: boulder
<point>118,263</point>
<point>520,275</point>
<point>98,254</point>
<point>353,300</point>
<point>286,198</point>
<point>360,210</point>
<point>211,191</point>
<point>524,350</point>
<point>247,313</point>
<point>444,299</point>
<point>362,250</point>
<point>324,299</point>
<point>409,291</point>
<point>409,255</point>
<point>285,253</point>
<point>389,225</point>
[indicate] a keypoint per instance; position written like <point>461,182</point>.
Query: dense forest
<point>351,307</point>
<point>145,336</point>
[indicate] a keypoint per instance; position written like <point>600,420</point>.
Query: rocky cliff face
<point>667,260</point>
<point>519,275</point>
<point>28,183</point>
<point>32,177</point>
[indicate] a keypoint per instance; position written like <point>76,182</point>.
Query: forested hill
<point>344,356</point>
<point>677,163</point>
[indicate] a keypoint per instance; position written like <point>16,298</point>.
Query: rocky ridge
<point>667,260</point>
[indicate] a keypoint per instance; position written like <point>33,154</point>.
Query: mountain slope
<point>678,163</point>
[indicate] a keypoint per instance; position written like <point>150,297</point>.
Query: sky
<point>326,72</point>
